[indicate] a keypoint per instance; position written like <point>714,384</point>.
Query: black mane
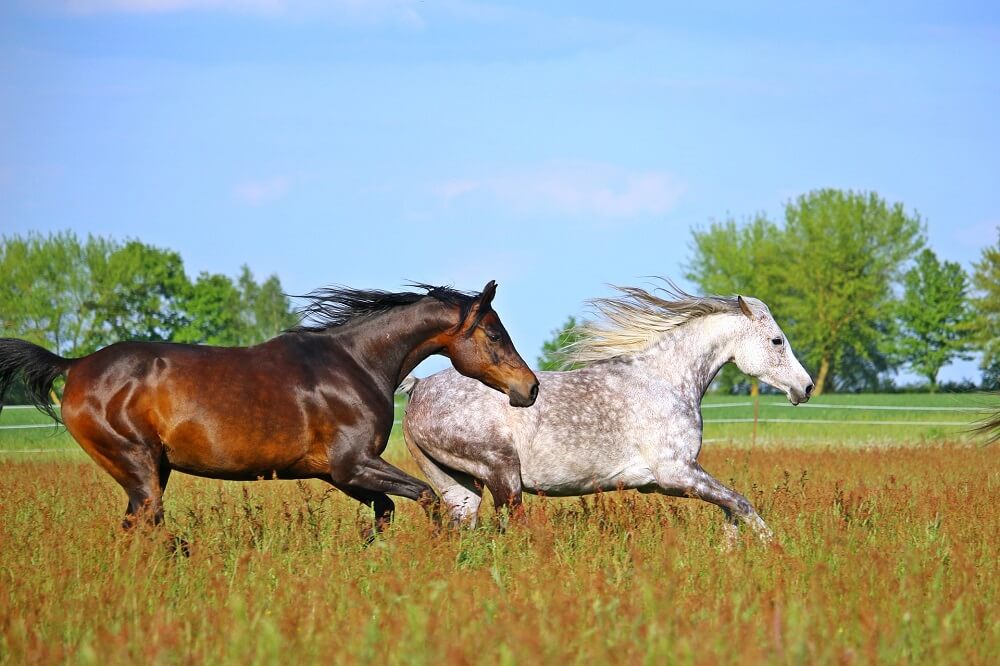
<point>329,307</point>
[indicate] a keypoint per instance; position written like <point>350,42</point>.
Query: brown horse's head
<point>479,347</point>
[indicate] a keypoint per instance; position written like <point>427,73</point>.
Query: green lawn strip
<point>844,418</point>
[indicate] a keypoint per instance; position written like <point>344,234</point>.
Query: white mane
<point>631,322</point>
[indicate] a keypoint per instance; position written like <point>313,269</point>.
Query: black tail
<point>36,367</point>
<point>990,426</point>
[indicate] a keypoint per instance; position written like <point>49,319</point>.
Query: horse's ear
<point>481,306</point>
<point>489,291</point>
<point>744,307</point>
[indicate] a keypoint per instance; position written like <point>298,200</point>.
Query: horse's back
<point>161,370</point>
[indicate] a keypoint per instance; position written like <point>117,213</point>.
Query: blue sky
<point>554,147</point>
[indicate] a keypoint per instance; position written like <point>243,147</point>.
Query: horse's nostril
<point>534,391</point>
<point>809,390</point>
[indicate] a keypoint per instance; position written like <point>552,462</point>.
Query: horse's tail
<point>990,426</point>
<point>37,368</point>
<point>407,386</point>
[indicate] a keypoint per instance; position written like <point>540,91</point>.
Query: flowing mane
<point>330,307</point>
<point>631,322</point>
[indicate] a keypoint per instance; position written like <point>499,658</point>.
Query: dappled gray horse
<point>631,418</point>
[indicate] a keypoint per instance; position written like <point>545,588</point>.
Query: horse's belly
<point>567,476</point>
<point>195,449</point>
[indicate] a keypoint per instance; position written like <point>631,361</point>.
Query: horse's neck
<point>395,342</point>
<point>690,356</point>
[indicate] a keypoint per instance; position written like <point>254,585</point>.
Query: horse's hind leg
<point>140,478</point>
<point>460,493</point>
<point>139,469</point>
<point>504,484</point>
<point>145,498</point>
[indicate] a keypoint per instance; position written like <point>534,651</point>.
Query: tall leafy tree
<point>138,294</point>
<point>934,316</point>
<point>76,296</point>
<point>986,305</point>
<point>843,252</point>
<point>213,312</point>
<point>24,305</point>
<point>266,310</point>
<point>738,258</point>
<point>272,311</point>
<point>46,288</point>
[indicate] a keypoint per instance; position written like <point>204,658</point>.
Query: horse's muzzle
<point>523,397</point>
<point>799,396</point>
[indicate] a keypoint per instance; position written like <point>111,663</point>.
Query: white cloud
<point>259,192</point>
<point>574,188</point>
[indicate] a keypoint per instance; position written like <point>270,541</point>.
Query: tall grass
<point>881,555</point>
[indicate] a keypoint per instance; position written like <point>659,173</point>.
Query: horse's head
<point>479,347</point>
<point>762,351</point>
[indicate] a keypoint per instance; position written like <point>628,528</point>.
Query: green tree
<point>986,305</point>
<point>867,370</point>
<point>25,308</point>
<point>842,253</point>
<point>732,258</point>
<point>46,288</point>
<point>221,312</point>
<point>74,297</point>
<point>138,294</point>
<point>551,358</point>
<point>934,316</point>
<point>738,258</point>
<point>266,309</point>
<point>213,312</point>
<point>45,291</point>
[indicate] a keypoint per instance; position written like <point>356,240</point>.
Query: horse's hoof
<point>765,535</point>
<point>178,546</point>
<point>730,537</point>
<point>181,546</point>
<point>369,536</point>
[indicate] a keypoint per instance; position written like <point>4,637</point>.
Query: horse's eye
<point>493,335</point>
<point>776,341</point>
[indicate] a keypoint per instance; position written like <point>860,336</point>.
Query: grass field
<point>883,553</point>
<point>848,418</point>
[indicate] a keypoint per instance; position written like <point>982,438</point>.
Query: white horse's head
<point>762,351</point>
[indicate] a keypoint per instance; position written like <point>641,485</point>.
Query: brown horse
<point>313,402</point>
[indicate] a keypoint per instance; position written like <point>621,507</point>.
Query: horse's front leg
<point>693,481</point>
<point>357,468</point>
<point>381,505</point>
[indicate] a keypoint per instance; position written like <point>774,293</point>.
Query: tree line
<point>853,283</point>
<point>74,296</point>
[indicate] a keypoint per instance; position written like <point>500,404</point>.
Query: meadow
<point>885,551</point>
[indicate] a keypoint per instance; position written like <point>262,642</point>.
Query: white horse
<point>630,418</point>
